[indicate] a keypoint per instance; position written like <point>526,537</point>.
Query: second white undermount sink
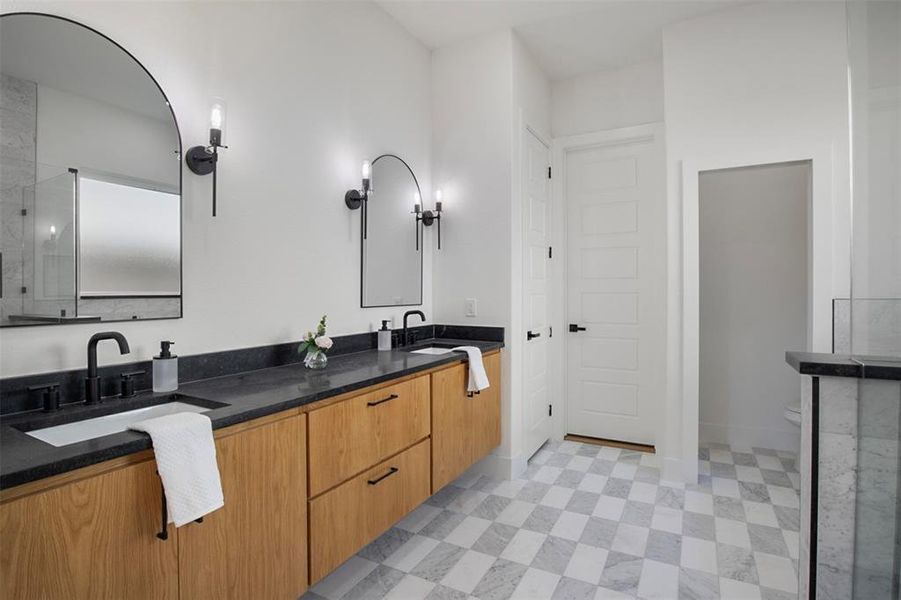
<point>432,350</point>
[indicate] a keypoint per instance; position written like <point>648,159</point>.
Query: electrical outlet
<point>469,307</point>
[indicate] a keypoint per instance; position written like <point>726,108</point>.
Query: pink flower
<point>324,342</point>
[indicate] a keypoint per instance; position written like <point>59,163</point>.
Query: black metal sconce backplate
<point>200,161</point>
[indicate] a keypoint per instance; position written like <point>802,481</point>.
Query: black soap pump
<point>384,336</point>
<point>165,369</point>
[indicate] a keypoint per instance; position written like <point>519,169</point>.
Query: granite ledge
<point>842,365</point>
<point>248,396</point>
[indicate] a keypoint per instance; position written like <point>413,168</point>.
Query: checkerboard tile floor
<point>592,522</point>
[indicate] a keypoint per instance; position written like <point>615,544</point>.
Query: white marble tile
<point>341,580</point>
<point>699,555</point>
<point>734,533</point>
<point>643,492</point>
<point>569,526</point>
<point>536,585</point>
<point>630,539</point>
<point>738,590</point>
<point>469,570</point>
<point>667,519</point>
<point>659,581</point>
<point>466,533</point>
<point>410,587</point>
<point>557,496</point>
<point>516,513</point>
<point>610,508</point>
<point>411,553</point>
<point>698,502</point>
<point>586,564</point>
<point>524,546</point>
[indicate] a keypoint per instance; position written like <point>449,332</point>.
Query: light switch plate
<point>470,308</point>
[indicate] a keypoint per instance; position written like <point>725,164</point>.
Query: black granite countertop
<point>841,365</point>
<point>248,395</point>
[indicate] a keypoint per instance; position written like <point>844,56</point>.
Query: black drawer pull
<point>390,472</point>
<point>377,402</point>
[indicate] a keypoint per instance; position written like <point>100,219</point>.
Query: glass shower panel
<point>874,50</point>
<point>50,234</point>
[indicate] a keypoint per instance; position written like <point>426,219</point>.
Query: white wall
<point>752,80</point>
<point>608,99</point>
<point>312,88</point>
<point>753,302</point>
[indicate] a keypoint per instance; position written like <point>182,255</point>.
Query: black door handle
<point>573,328</point>
<point>531,336</point>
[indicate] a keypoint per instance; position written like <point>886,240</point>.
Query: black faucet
<point>406,340</point>
<point>92,381</point>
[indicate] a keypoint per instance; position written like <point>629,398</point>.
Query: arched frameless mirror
<point>90,179</point>
<point>392,259</point>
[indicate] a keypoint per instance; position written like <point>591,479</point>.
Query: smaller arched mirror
<point>392,256</point>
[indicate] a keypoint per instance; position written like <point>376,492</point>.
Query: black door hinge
<point>550,332</point>
<point>24,212</point>
<point>24,290</point>
<point>550,410</point>
<point>550,252</point>
<point>549,172</point>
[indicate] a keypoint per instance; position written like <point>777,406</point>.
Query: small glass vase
<point>315,359</point>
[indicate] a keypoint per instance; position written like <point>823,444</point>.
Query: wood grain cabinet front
<point>352,435</point>
<point>94,538</point>
<point>353,514</point>
<point>256,545</point>
<point>465,427</point>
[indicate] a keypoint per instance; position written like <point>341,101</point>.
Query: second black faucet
<point>92,381</point>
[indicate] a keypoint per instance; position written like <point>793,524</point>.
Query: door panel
<point>536,221</point>
<point>616,287</point>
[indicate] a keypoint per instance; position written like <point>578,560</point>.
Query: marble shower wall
<point>877,326</point>
<point>18,126</point>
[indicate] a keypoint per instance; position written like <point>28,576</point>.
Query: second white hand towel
<point>478,378</point>
<point>186,461</point>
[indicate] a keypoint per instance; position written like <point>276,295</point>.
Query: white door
<point>616,283</point>
<point>536,213</point>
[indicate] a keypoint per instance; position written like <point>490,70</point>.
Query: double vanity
<point>314,466</point>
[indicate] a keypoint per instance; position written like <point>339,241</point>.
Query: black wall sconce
<point>202,160</point>
<point>355,199</point>
<point>427,217</point>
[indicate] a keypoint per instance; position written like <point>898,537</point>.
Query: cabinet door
<point>92,539</point>
<point>451,419</point>
<point>256,545</point>
<point>486,411</point>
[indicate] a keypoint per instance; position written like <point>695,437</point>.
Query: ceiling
<point>567,37</point>
<point>57,54</point>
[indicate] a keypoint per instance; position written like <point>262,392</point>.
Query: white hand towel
<point>478,379</point>
<point>186,461</point>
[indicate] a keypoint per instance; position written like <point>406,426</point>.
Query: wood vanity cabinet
<point>256,545</point>
<point>464,428</point>
<point>92,537</point>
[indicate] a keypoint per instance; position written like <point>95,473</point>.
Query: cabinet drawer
<point>345,519</point>
<point>350,436</point>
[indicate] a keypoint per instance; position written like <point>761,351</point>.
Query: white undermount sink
<point>432,350</point>
<point>79,431</point>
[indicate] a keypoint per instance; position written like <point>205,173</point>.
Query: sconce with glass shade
<point>428,217</point>
<point>355,199</point>
<point>203,160</point>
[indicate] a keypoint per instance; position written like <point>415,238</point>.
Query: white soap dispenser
<point>165,369</point>
<point>384,336</point>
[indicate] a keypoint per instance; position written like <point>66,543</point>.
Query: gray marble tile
<point>495,539</point>
<point>438,562</point>
<point>698,585</point>
<point>569,478</point>
<point>663,546</point>
<point>491,507</point>
<point>736,563</point>
<point>744,459</point>
<point>670,497</point>
<point>756,492</point>
<point>638,513</point>
<point>698,526</point>
<point>500,581</point>
<point>589,450</point>
<point>622,572</point>
<point>838,405</point>
<point>647,474</point>
<point>440,592</point>
<point>583,502</point>
<point>485,484</point>
<point>554,555</point>
<point>630,456</point>
<point>559,460</point>
<point>767,539</point>
<point>385,545</point>
<point>533,491</point>
<point>375,585</point>
<point>599,532</point>
<point>618,488</point>
<point>726,471</point>
<point>542,519</point>
<point>573,589</point>
<point>601,467</point>
<point>445,522</point>
<point>728,508</point>
<point>771,594</point>
<point>788,518</point>
<point>775,478</point>
<point>445,496</point>
<point>703,453</point>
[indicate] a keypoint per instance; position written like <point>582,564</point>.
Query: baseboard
<point>500,467</point>
<point>751,437</point>
<point>672,469</point>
